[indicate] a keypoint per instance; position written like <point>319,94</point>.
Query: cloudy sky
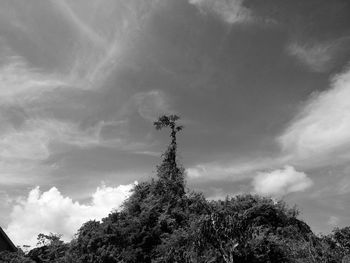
<point>263,89</point>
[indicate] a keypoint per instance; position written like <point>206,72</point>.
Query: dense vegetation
<point>162,221</point>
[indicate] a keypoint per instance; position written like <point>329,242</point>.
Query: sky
<point>262,88</point>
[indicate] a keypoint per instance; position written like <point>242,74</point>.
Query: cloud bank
<point>50,211</point>
<point>281,182</point>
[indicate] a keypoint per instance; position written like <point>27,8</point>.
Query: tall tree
<point>170,174</point>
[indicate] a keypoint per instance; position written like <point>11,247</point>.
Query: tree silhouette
<point>170,121</point>
<point>170,174</point>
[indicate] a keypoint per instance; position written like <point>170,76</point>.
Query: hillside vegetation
<point>163,221</point>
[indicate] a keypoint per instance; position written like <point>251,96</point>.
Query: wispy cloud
<point>230,11</point>
<point>343,187</point>
<point>98,55</point>
<point>19,83</point>
<point>318,56</point>
<point>50,211</point>
<point>17,172</point>
<point>81,26</point>
<point>24,149</point>
<point>32,139</point>
<point>150,105</point>
<point>281,182</point>
<point>42,111</point>
<point>91,66</point>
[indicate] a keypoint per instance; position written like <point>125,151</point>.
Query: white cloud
<point>281,182</point>
<point>50,211</point>
<point>318,57</point>
<point>231,11</point>
<point>320,133</point>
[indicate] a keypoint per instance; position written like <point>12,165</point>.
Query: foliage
<point>342,238</point>
<point>14,257</point>
<point>163,222</point>
<point>51,249</point>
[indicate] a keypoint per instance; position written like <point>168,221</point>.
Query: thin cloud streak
<point>79,24</point>
<point>242,170</point>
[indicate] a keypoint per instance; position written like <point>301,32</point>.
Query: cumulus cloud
<point>281,182</point>
<point>50,211</point>
<point>318,57</point>
<point>320,133</point>
<point>231,11</point>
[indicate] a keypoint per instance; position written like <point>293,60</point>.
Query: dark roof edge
<point>8,240</point>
